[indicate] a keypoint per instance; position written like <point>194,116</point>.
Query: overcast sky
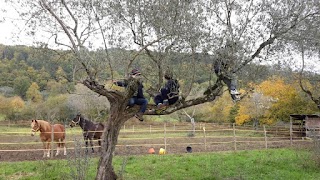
<point>10,27</point>
<point>6,27</point>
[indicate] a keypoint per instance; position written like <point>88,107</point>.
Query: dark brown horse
<point>46,135</point>
<point>90,130</point>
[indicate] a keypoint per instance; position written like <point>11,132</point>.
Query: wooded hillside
<point>37,82</point>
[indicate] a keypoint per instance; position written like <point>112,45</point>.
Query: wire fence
<point>173,137</point>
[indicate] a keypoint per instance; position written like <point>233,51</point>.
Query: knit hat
<point>168,74</point>
<point>135,72</point>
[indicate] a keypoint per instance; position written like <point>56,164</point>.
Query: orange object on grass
<point>151,151</point>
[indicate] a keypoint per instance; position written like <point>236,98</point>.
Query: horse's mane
<point>91,122</point>
<point>88,123</point>
<point>85,120</point>
<point>42,121</point>
<point>44,124</point>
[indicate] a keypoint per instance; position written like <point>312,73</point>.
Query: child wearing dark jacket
<point>138,97</point>
<point>169,94</point>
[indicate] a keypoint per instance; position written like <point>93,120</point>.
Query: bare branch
<point>44,4</point>
<point>308,92</point>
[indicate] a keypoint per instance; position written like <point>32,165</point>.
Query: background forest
<point>39,83</point>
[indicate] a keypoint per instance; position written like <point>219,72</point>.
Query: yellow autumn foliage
<point>273,100</point>
<point>242,118</point>
<point>277,89</point>
<point>17,104</point>
<point>220,110</point>
<point>11,105</point>
<point>33,93</point>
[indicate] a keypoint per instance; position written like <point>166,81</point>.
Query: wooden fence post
<point>150,129</point>
<point>204,137</point>
<point>52,140</point>
<point>290,130</point>
<point>165,138</point>
<point>132,128</point>
<point>234,137</point>
<point>265,136</point>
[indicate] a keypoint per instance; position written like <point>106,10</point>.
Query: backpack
<point>173,86</point>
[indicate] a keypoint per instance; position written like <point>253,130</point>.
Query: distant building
<point>305,125</point>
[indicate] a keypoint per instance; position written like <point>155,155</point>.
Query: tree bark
<point>118,116</point>
<point>105,169</point>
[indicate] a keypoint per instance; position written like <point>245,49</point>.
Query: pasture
<point>219,151</point>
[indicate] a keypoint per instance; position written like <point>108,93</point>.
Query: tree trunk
<point>110,138</point>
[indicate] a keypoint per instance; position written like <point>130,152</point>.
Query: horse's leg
<point>44,148</point>
<point>99,142</point>
<point>64,147</point>
<point>48,146</point>
<point>86,140</point>
<point>91,144</point>
<point>58,147</point>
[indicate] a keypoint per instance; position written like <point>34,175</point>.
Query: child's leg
<point>158,99</point>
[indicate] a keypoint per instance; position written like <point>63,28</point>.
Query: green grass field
<point>257,164</point>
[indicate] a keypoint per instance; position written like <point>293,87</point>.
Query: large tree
<point>304,43</point>
<point>160,34</point>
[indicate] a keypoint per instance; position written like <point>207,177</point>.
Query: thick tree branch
<point>308,92</point>
<point>44,4</point>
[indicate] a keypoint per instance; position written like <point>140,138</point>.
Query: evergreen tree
<point>33,93</point>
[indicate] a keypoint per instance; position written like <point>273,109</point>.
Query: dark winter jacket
<point>137,94</point>
<point>172,86</point>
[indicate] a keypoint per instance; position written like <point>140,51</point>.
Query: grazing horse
<point>46,135</point>
<point>90,130</point>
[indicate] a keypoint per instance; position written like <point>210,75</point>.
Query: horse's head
<point>75,120</point>
<point>35,126</point>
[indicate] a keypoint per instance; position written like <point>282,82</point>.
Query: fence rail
<point>172,137</point>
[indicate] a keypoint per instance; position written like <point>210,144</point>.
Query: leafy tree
<point>6,91</point>
<point>233,113</point>
<point>286,99</point>
<point>273,101</point>
<point>158,32</point>
<point>220,109</point>
<point>7,77</point>
<point>4,104</point>
<point>61,75</point>
<point>243,116</point>
<point>42,78</point>
<point>254,108</point>
<point>55,88</point>
<point>11,107</point>
<point>17,104</point>
<point>304,42</point>
<point>8,53</point>
<point>16,107</point>
<point>85,101</point>
<point>33,94</point>
<point>54,108</point>
<point>20,55</point>
<point>21,85</point>
<point>32,74</point>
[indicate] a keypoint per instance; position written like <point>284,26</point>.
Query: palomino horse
<point>90,130</point>
<point>45,129</point>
